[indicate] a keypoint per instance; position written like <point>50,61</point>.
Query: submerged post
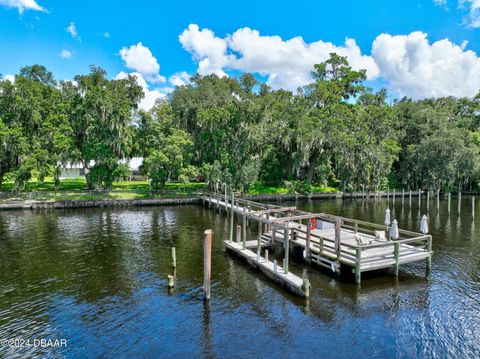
<point>231,218</point>
<point>207,263</point>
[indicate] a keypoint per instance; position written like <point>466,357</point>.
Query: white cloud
<point>286,63</point>
<point>10,78</point>
<point>140,58</point>
<point>150,95</point>
<point>106,35</point>
<point>207,49</point>
<point>179,78</point>
<point>65,54</point>
<point>72,30</point>
<point>473,6</point>
<point>22,5</point>
<point>440,2</point>
<point>413,67</point>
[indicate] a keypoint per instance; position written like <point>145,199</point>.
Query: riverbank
<point>162,198</point>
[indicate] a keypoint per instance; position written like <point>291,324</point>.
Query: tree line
<point>235,130</point>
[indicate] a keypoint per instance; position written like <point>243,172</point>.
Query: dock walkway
<point>334,242</point>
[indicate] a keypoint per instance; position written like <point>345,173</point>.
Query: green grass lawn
<point>259,188</point>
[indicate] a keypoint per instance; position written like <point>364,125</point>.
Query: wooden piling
<point>238,239</point>
<point>275,269</point>
<point>266,254</point>
<point>396,251</point>
<point>410,198</point>
<point>429,258</point>
<point>286,246</point>
<point>448,201</point>
<point>231,217</point>
<point>174,258</point>
<point>473,206</point>
<point>459,201</point>
<point>307,245</point>
<point>244,231</point>
<point>259,244</point>
<point>171,281</point>
<point>438,198</point>
<point>358,272</point>
<point>207,263</point>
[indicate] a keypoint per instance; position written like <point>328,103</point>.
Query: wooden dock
<point>333,242</point>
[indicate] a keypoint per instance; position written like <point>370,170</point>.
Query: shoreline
<point>108,203</point>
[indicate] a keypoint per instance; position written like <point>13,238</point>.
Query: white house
<point>75,170</point>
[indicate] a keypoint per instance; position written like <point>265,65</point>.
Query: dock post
<point>419,196</point>
<point>275,266</point>
<point>338,248</point>
<point>244,231</point>
<point>438,198</point>
<point>239,233</point>
<point>358,272</point>
<point>448,201</point>
<point>306,287</point>
<point>393,198</point>
<point>287,248</point>
<point>307,244</point>
<point>266,254</point>
<point>388,194</point>
<point>410,198</point>
<point>231,218</point>
<point>174,258</point>
<point>396,252</point>
<point>248,221</point>
<point>171,281</point>
<point>226,201</point>
<point>273,233</point>
<point>209,200</point>
<point>428,199</point>
<point>207,263</point>
<point>473,206</point>
<point>429,258</point>
<point>459,200</point>
<point>259,241</point>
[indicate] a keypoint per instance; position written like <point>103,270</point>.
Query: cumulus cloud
<point>22,5</point>
<point>65,54</point>
<point>179,78</point>
<point>106,35</point>
<point>414,67</point>
<point>286,63</point>
<point>72,30</point>
<point>151,96</point>
<point>207,49</point>
<point>140,59</point>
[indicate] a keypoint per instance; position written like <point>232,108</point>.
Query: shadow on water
<point>98,277</point>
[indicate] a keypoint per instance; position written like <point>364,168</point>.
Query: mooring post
<point>438,198</point>
<point>388,194</point>
<point>207,263</point>
<point>238,239</point>
<point>244,231</point>
<point>174,258</point>
<point>273,233</point>
<point>459,200</point>
<point>473,206</point>
<point>449,196</point>
<point>396,251</point>
<point>286,246</point>
<point>338,248</point>
<point>306,287</point>
<point>266,254</point>
<point>171,281</point>
<point>259,241</point>
<point>429,258</point>
<point>231,218</point>
<point>410,198</point>
<point>419,196</point>
<point>248,220</point>
<point>393,198</point>
<point>428,199</point>
<point>307,245</point>
<point>358,271</point>
<point>275,266</point>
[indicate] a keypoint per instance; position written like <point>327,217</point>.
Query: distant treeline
<point>334,132</point>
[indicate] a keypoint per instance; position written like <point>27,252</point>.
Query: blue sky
<point>429,48</point>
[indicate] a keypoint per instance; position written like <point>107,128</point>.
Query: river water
<point>98,278</point>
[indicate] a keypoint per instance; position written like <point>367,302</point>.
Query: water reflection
<point>99,279</point>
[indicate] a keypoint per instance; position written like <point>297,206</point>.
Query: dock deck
<point>334,242</point>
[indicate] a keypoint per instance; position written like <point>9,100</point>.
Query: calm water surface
<point>98,278</point>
